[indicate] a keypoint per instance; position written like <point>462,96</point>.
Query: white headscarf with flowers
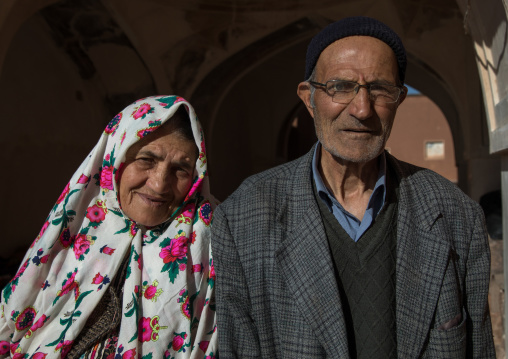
<point>168,309</point>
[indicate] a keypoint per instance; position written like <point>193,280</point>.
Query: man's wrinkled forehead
<point>358,53</point>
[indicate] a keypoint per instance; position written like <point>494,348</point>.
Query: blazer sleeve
<point>479,329</point>
<point>238,337</point>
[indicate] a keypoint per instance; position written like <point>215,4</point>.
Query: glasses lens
<point>384,93</point>
<point>341,91</point>
<point>344,91</point>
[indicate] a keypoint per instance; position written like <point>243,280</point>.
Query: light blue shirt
<point>352,225</point>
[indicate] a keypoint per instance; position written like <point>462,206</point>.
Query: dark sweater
<point>365,273</point>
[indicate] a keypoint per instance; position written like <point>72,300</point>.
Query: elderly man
<point>347,252</point>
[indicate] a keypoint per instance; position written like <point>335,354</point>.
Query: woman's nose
<point>160,180</point>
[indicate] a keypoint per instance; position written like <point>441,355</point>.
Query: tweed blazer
<point>276,293</point>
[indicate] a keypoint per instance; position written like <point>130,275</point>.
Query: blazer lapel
<point>306,265</point>
<point>422,255</point>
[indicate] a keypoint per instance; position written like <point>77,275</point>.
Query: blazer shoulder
<point>269,186</point>
<point>430,186</point>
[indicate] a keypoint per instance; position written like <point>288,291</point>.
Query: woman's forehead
<point>166,142</point>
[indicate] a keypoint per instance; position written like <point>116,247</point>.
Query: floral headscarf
<point>167,309</point>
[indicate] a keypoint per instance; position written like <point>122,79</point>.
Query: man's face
<point>355,132</point>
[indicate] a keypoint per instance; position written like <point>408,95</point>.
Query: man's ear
<point>403,95</point>
<point>303,92</point>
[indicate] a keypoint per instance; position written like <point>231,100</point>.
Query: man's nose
<point>361,105</point>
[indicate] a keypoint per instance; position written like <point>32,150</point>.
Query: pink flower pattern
<point>26,319</point>
<point>129,354</point>
<point>186,308</point>
<point>212,271</point>
<point>202,153</point>
<point>145,329</point>
<point>204,345</point>
<point>113,124</point>
<point>81,246</point>
<point>205,213</point>
<point>176,250</point>
<point>65,192</point>
<point>107,177</point>
<point>178,342</point>
<point>4,347</point>
<point>187,214</point>
<point>38,324</point>
<point>65,238</point>
<point>38,355</point>
<point>145,131</point>
<point>150,328</point>
<point>97,279</point>
<point>197,268</point>
<point>150,292</point>
<point>21,270</point>
<point>43,229</point>
<point>96,215</point>
<point>107,250</point>
<point>83,179</point>
<point>141,111</point>
<point>65,347</point>
<point>196,187</point>
<point>69,285</point>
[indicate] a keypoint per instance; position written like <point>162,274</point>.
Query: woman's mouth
<point>152,201</point>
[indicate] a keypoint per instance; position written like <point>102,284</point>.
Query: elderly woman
<point>122,267</point>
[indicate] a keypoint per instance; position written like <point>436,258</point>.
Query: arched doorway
<point>256,120</point>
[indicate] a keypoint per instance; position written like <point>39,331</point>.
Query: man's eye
<point>382,90</point>
<point>343,86</point>
<point>379,88</point>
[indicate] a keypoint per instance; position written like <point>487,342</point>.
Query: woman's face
<point>157,176</point>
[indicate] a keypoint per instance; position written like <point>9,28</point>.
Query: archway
<point>265,116</point>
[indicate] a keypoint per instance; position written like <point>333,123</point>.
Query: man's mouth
<point>357,130</point>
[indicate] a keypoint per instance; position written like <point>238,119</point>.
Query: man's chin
<point>356,157</point>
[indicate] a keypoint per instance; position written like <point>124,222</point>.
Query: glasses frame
<point>356,89</point>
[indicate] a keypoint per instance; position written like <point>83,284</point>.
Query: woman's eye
<point>181,172</point>
<point>145,160</point>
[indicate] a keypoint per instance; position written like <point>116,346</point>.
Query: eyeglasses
<point>344,91</point>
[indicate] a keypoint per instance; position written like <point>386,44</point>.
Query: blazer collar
<point>422,256</point>
<point>305,262</point>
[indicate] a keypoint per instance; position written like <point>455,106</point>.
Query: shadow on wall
<point>493,209</point>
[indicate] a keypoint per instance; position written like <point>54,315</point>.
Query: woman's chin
<point>149,220</point>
